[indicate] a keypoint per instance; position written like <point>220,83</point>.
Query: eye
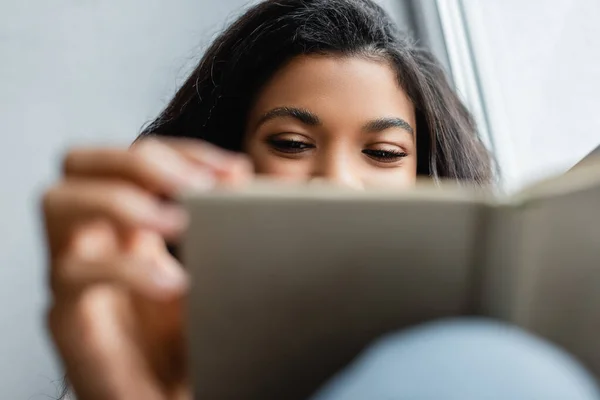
<point>289,146</point>
<point>385,156</point>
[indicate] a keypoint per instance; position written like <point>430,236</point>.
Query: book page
<point>584,175</point>
<point>295,286</point>
<point>557,293</point>
<point>500,257</point>
<point>592,158</point>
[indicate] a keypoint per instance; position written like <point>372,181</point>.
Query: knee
<point>469,358</point>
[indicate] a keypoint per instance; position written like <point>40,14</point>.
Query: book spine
<point>498,266</point>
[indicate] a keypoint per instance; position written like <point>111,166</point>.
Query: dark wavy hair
<point>214,101</point>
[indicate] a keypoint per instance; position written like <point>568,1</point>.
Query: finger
<point>153,165</point>
<point>121,202</point>
<point>160,279</point>
<point>98,341</point>
<point>197,151</point>
<point>229,167</point>
<point>239,174</point>
<point>144,242</point>
<point>75,202</point>
<point>164,341</point>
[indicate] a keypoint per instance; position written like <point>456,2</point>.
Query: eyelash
<point>385,156</point>
<point>290,146</point>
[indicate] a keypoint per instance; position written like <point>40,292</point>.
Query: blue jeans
<point>462,360</point>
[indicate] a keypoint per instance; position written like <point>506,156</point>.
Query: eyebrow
<point>311,119</point>
<point>302,115</point>
<point>382,124</point>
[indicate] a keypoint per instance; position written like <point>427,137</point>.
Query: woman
<point>299,89</point>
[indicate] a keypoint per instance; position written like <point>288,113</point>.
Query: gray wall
<point>74,71</point>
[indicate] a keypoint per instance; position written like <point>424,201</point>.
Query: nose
<point>337,170</point>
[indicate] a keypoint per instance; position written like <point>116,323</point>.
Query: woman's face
<point>343,119</point>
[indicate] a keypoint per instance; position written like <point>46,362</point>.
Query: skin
<point>116,315</point>
<point>342,119</point>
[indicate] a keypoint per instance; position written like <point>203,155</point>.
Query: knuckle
<point>136,159</point>
<point>126,201</point>
<point>144,156</point>
<point>70,160</point>
<point>147,145</point>
<point>137,163</point>
<point>118,197</point>
<point>61,274</point>
<point>50,198</point>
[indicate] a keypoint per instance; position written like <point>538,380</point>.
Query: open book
<point>290,283</point>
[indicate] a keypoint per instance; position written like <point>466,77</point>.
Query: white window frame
<point>453,32</point>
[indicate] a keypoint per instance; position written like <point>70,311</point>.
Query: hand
<point>116,315</point>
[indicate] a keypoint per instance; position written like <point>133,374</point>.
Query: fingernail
<point>169,275</point>
<point>174,217</point>
<point>201,180</point>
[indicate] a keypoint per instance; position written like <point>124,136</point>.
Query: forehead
<point>352,88</point>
